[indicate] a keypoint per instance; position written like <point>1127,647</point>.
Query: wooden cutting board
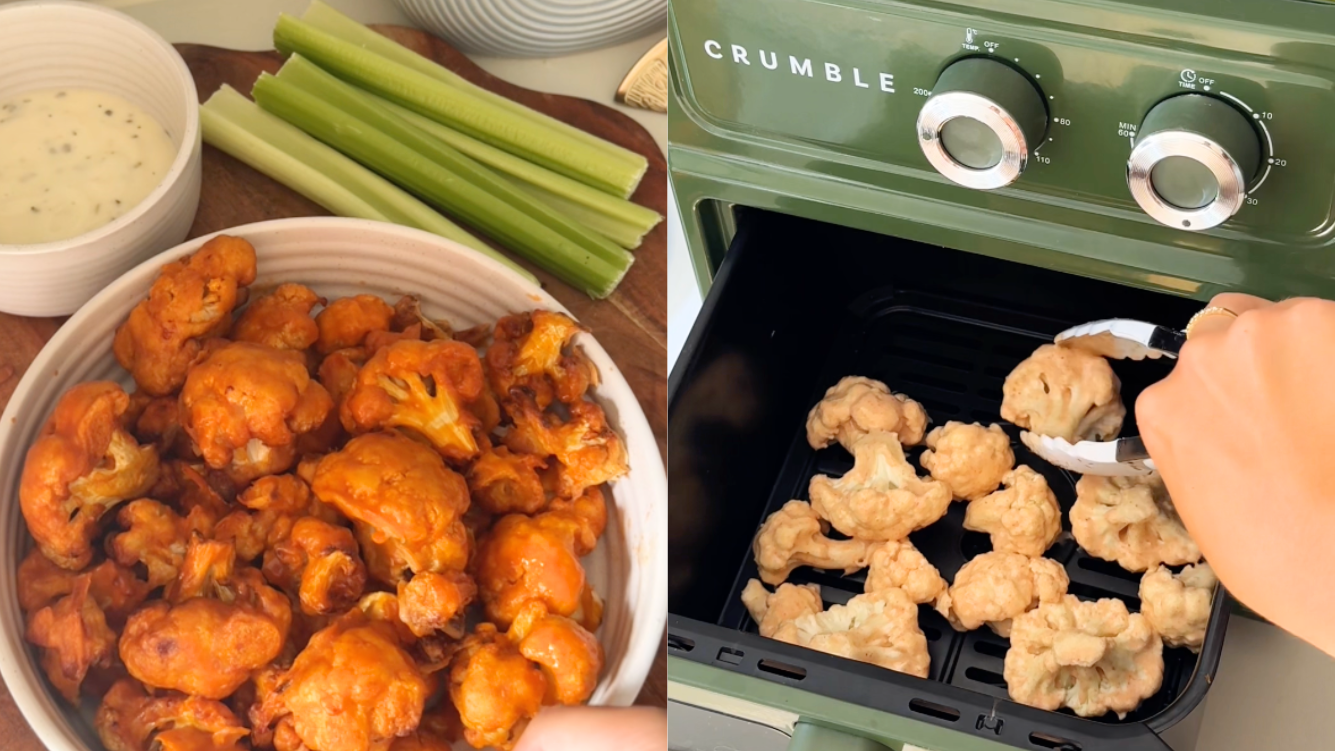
<point>631,324</point>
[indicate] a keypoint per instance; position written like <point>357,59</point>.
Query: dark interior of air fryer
<point>799,304</point>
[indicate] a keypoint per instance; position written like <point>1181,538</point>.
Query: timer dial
<point>981,123</point>
<point>1193,158</point>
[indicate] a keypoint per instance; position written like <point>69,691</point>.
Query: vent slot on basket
<point>991,649</point>
<point>985,676</point>
<point>783,669</point>
<point>1043,740</point>
<point>931,709</point>
<point>680,643</point>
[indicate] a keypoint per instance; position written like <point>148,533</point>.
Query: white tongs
<point>1116,339</point>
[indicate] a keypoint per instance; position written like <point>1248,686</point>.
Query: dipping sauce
<point>72,160</point>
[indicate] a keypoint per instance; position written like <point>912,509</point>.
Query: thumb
<point>596,729</point>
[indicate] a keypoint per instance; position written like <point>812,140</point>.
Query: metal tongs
<point>1115,339</point>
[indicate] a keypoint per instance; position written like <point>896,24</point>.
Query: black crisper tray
<point>950,349</point>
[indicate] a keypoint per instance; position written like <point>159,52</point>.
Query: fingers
<point>596,729</point>
<point>1235,303</point>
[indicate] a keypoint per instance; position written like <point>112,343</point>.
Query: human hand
<point>1243,432</point>
<point>596,729</point>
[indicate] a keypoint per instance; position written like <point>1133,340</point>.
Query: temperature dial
<point>1193,158</point>
<point>981,123</point>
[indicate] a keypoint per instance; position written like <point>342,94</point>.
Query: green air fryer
<point>923,192</point>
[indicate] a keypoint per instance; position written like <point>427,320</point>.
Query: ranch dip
<point>72,160</point>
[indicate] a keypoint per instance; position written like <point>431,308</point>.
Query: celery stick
<point>330,21</point>
<point>270,145</point>
<point>573,262</point>
<point>459,109</point>
<point>622,221</point>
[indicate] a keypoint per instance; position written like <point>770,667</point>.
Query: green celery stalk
<point>574,263</point>
<point>310,78</point>
<point>330,21</point>
<point>624,222</point>
<point>235,125</point>
<point>459,109</point>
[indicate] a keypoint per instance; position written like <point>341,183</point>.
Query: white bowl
<point>53,43</point>
<point>339,257</point>
<point>536,28</point>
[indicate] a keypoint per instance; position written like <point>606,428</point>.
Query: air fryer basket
<point>796,306</point>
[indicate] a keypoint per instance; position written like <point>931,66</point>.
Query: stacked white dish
<point>536,28</point>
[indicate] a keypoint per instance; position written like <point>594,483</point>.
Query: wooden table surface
<point>631,325</point>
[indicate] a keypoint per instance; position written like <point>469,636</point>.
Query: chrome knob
<point>981,123</point>
<point>1193,158</point>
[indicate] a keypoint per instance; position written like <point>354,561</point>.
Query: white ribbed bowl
<point>53,43</point>
<point>339,257</point>
<point>536,28</point>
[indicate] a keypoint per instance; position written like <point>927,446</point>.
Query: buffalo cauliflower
<point>345,322</point>
<point>280,319</point>
<point>81,465</point>
<point>794,536</point>
<point>319,564</point>
<point>968,458</point>
<point>1022,518</point>
<point>857,406</point>
<point>994,588</point>
<point>533,351</point>
<point>496,689</point>
<point>587,450</point>
<point>568,655</point>
<point>1130,520</point>
<point>128,719</point>
<point>423,387</point>
<point>431,602</point>
<point>1065,393</point>
<point>881,497</point>
<point>115,588</point>
<point>775,612</point>
<point>504,482</point>
<point>1093,657</point>
<point>1178,606</point>
<point>899,565</point>
<point>191,301</point>
<point>73,636</point>
<point>246,404</point>
<point>272,505</point>
<point>879,627</point>
<point>156,537</point>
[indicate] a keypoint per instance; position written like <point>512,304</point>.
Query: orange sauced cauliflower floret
<point>405,504</point>
<point>272,505</point>
<point>82,464</point>
<point>159,422</point>
<point>504,482</point>
<point>345,322</point>
<point>191,301</point>
<point>568,655</point>
<point>775,612</point>
<point>359,666</point>
<point>968,458</point>
<point>115,588</point>
<point>1130,520</point>
<point>424,387</point>
<point>157,537</point>
<point>1022,518</point>
<point>73,636</point>
<point>533,351</point>
<point>280,319</point>
<point>431,602</point>
<point>318,563</point>
<point>524,559</point>
<point>1094,657</point>
<point>794,536</point>
<point>994,587</point>
<point>881,497</point>
<point>899,565</point>
<point>131,720</point>
<point>1066,393</point>
<point>246,404</point>
<point>588,451</point>
<point>856,406</point>
<point>496,689</point>
<point>1178,605</point>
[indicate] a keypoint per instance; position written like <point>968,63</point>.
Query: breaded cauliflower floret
<point>1022,518</point>
<point>272,505</point>
<point>345,322</point>
<point>156,537</point>
<point>1064,392</point>
<point>857,406</point>
<point>1178,606</point>
<point>1093,657</point>
<point>431,602</point>
<point>881,497</point>
<point>115,589</point>
<point>280,319</point>
<point>82,464</point>
<point>504,482</point>
<point>246,404</point>
<point>587,450</point>
<point>794,536</point>
<point>533,351</point>
<point>159,423</point>
<point>496,689</point>
<point>880,628</point>
<point>131,720</point>
<point>405,504</point>
<point>1130,520</point>
<point>191,301</point>
<point>73,636</point>
<point>337,372</point>
<point>899,565</point>
<point>994,588</point>
<point>775,612</point>
<point>318,563</point>
<point>423,387</point>
<point>968,458</point>
<point>568,655</point>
